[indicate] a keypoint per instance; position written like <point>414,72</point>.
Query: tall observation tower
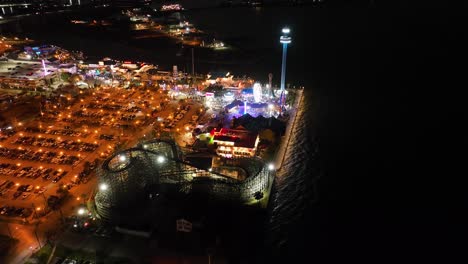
<point>285,39</point>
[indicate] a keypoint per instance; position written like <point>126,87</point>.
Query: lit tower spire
<point>285,39</point>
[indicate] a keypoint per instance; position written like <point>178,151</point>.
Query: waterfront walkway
<point>281,153</point>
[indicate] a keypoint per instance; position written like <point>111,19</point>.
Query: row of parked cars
<point>6,133</point>
<point>15,212</point>
<point>45,156</point>
<point>32,172</point>
<point>58,260</point>
<point>25,190</point>
<point>5,185</point>
<point>168,123</point>
<point>66,132</point>
<point>53,143</point>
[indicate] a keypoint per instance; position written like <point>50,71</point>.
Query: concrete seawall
<point>281,153</point>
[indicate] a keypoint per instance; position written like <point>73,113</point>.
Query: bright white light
<point>103,187</point>
<point>122,158</point>
<point>210,169</point>
<point>81,211</point>
<point>285,39</point>
<point>145,146</point>
<point>285,30</point>
<point>271,106</point>
<point>271,166</point>
<point>257,91</point>
<point>160,159</point>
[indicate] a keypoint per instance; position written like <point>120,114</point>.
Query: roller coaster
<point>131,175</point>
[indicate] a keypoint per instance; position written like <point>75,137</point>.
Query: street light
<point>271,166</point>
<point>81,211</point>
<point>160,159</point>
<point>103,187</point>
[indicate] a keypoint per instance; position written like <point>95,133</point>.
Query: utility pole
<point>37,237</point>
<point>9,231</point>
<point>45,201</point>
<point>193,65</point>
<point>61,216</point>
<point>194,79</point>
<point>270,77</point>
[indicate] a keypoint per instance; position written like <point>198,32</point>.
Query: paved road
<point>27,241</point>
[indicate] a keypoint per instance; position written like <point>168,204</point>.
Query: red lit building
<point>235,143</point>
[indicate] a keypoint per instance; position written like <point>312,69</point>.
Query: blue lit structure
<point>285,39</point>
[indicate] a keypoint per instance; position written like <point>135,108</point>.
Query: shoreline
<point>286,138</point>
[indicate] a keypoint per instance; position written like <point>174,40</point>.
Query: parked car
<point>17,194</point>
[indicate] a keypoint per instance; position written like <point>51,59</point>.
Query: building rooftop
<point>241,138</point>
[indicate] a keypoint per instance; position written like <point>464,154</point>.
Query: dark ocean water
<point>378,120</point>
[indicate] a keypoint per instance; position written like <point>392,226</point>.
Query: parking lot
<point>62,147</point>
